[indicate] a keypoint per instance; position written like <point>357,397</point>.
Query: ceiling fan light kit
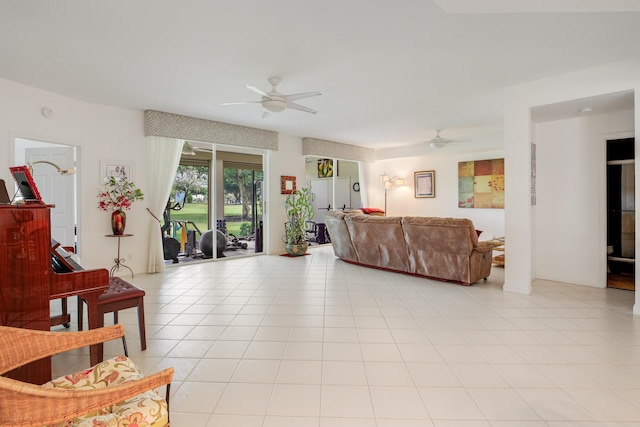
<point>276,102</point>
<point>273,105</point>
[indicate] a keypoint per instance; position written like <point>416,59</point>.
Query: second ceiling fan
<point>276,102</point>
<point>440,142</point>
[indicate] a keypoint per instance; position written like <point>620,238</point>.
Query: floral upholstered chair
<point>113,393</point>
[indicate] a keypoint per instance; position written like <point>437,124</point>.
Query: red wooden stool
<point>119,295</point>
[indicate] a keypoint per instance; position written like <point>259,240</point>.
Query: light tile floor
<point>270,341</point>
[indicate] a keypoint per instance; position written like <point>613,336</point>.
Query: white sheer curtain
<point>164,156</point>
<point>362,176</point>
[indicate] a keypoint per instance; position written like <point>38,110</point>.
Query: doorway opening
<point>335,185</point>
<point>55,188</point>
<point>621,214</point>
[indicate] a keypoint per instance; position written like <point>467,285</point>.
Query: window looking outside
<point>187,212</point>
<point>242,202</point>
<point>220,200</point>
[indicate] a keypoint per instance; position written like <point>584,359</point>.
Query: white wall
<point>101,133</point>
<point>519,225</point>
<point>401,199</point>
<point>570,215</point>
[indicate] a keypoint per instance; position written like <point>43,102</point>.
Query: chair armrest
<point>21,346</point>
<point>484,247</point>
<point>27,405</point>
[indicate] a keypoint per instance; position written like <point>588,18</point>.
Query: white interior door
<point>56,189</point>
<point>324,197</point>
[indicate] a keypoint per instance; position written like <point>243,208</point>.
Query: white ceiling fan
<point>190,149</point>
<point>440,142</point>
<point>276,102</point>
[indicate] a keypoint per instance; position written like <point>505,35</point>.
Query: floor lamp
<point>389,183</point>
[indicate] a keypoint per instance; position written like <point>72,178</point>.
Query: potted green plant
<point>299,211</point>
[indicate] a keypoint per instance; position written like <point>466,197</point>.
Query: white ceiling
<point>389,72</point>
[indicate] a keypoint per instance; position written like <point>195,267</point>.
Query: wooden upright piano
<point>28,282</point>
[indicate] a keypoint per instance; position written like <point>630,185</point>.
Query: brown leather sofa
<point>439,248</point>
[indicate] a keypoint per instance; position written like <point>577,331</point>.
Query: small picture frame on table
<point>26,184</point>
<point>425,184</point>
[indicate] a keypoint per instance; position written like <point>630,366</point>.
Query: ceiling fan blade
<point>187,149</point>
<point>242,103</point>
<point>294,106</point>
<point>299,96</point>
<point>258,91</point>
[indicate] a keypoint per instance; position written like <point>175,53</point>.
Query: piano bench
<point>119,295</point>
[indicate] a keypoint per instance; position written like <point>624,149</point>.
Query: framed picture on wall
<point>325,168</point>
<point>116,168</point>
<point>425,184</point>
<point>287,184</point>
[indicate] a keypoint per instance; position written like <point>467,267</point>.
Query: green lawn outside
<point>197,213</point>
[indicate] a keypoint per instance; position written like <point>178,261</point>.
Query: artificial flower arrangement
<point>118,194</point>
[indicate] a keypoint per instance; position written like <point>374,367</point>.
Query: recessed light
<point>586,109</point>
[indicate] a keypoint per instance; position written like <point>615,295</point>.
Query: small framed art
<point>116,168</point>
<point>425,184</point>
<point>325,168</point>
<point>287,184</point>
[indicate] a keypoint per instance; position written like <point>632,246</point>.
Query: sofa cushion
<point>378,241</point>
<point>146,409</point>
<point>440,247</point>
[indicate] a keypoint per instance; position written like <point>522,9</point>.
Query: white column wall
<point>517,200</point>
<point>286,161</point>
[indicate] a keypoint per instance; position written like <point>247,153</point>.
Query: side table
<point>498,246</point>
<point>118,262</point>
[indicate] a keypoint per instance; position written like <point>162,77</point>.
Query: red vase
<point>118,221</point>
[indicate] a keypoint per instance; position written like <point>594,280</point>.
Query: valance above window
<point>337,150</point>
<point>168,125</point>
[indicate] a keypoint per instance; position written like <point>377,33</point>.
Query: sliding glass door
<point>215,209</point>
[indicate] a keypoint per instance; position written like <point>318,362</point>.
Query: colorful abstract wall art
<point>481,184</point>
<point>325,168</point>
